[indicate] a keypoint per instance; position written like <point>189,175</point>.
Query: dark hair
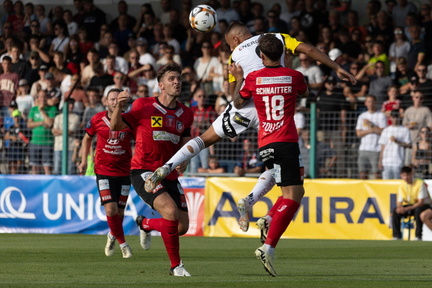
<point>406,169</point>
<point>114,90</point>
<point>270,46</point>
<point>171,67</point>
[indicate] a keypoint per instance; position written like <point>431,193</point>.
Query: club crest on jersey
<point>179,126</point>
<point>170,121</point>
<point>156,121</point>
<point>89,124</point>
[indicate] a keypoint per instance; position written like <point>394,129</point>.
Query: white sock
<point>264,184</point>
<point>186,152</point>
<point>123,244</point>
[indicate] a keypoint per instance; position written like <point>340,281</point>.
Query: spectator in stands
<point>8,85</point>
<point>64,79</point>
<point>417,53</point>
<point>249,161</point>
<point>95,105</point>
<point>332,109</point>
<point>122,9</point>
<point>399,48</point>
<point>84,44</point>
<point>19,66</point>
<point>75,59</point>
<point>415,117</point>
<point>290,12</point>
<point>379,82</point>
<point>412,199</point>
<point>121,34</point>
<point>204,115</point>
<point>40,121</point>
<point>93,19</point>
<point>204,65</point>
<point>145,57</point>
<point>120,63</point>
<point>57,131</point>
<point>274,23</point>
<point>423,84</point>
<point>393,140</point>
<point>146,75</point>
<point>23,99</point>
<point>142,92</point>
<point>100,79</point>
<point>53,92</point>
<point>105,40</point>
<point>119,83</point>
<point>326,156</point>
<point>379,54</point>
<point>42,83</point>
<point>369,127</point>
<point>87,73</point>
<point>213,166</point>
<point>60,63</point>
<point>61,40</point>
<point>401,10</point>
<point>32,71</point>
<point>350,49</point>
<point>35,45</point>
<point>226,12</point>
<point>168,56</point>
<point>45,23</point>
<point>78,95</point>
<point>18,138</point>
<point>392,104</point>
<point>354,92</point>
<point>71,25</point>
<point>312,73</point>
<point>422,154</point>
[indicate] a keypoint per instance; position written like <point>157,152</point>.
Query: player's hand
<point>82,168</point>
<point>123,97</point>
<point>236,71</point>
<point>182,167</point>
<point>346,76</point>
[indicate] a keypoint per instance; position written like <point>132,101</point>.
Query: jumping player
<point>274,89</point>
<point>234,121</point>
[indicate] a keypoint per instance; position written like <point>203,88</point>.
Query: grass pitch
<point>33,260</point>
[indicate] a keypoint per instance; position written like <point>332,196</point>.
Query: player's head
<point>170,79</point>
<point>111,99</point>
<point>236,33</point>
<point>270,46</point>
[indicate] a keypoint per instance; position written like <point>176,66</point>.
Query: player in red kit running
<point>274,90</point>
<point>112,166</point>
<point>161,125</point>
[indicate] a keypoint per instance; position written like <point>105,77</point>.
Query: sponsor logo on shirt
<point>274,80</point>
<point>239,119</point>
<point>165,136</point>
<point>179,112</point>
<point>156,121</point>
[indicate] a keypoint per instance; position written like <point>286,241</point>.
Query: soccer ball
<point>203,18</point>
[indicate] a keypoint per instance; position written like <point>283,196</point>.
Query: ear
<point>262,56</point>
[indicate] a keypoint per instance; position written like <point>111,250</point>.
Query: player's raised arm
<point>237,72</point>
<point>117,123</point>
<point>317,55</point>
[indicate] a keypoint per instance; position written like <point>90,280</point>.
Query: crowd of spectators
<point>60,57</point>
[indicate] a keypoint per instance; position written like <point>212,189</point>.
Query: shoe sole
<point>267,265</point>
<point>154,180</point>
<point>243,220</point>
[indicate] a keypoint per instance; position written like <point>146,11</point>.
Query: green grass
<point>32,260</point>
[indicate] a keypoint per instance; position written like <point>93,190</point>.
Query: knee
<point>183,228</point>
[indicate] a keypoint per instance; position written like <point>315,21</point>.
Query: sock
<point>281,219</point>
<point>170,236</point>
<point>186,152</point>
<point>116,227</point>
<point>264,184</point>
<point>275,207</point>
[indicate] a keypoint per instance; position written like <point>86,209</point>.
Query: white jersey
<point>234,121</point>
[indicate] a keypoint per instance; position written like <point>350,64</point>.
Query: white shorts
<point>233,121</point>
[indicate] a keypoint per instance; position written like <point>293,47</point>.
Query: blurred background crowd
<point>56,57</point>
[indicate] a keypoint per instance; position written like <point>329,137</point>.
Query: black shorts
<point>285,160</point>
<point>173,188</point>
<point>113,189</point>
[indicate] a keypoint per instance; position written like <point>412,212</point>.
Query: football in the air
<point>203,18</point>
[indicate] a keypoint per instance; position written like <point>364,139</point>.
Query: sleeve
<point>302,86</point>
<point>246,90</point>
<point>382,120</point>
<point>359,125</point>
<point>407,136</point>
<point>423,193</point>
<point>90,127</point>
<point>230,77</point>
<point>290,42</point>
<point>383,139</point>
<point>132,115</point>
